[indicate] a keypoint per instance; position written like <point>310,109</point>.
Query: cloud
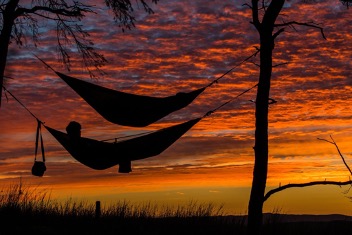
<point>184,46</point>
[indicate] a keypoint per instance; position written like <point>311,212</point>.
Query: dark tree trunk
<point>9,17</point>
<point>265,29</point>
<point>261,138</point>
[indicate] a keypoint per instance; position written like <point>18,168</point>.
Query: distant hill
<point>287,218</point>
<point>308,218</point>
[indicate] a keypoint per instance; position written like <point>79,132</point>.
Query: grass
<point>31,211</point>
<point>28,210</point>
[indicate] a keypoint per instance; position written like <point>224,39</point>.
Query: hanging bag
<point>39,167</point>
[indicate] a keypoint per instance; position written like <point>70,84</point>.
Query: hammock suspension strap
<point>39,135</point>
<point>230,70</point>
<point>229,101</point>
<point>210,84</point>
<point>39,167</point>
<point>39,124</point>
<point>22,104</point>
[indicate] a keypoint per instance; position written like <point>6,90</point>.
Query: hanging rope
<point>39,167</point>
<point>230,70</point>
<point>22,105</point>
<point>229,101</point>
<point>39,135</point>
<point>135,135</point>
<point>210,84</point>
<point>46,65</point>
<point>205,115</point>
<point>128,136</point>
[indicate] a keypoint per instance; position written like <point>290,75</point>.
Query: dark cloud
<point>183,46</point>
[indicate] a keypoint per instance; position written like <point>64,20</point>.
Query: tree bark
<point>265,29</point>
<point>255,207</point>
<point>9,17</point>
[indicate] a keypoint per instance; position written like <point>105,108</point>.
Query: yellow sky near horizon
<point>184,46</point>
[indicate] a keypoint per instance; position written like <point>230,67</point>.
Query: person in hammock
<point>73,130</point>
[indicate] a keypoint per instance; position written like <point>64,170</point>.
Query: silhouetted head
<point>74,129</point>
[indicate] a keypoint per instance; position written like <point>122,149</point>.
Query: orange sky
<point>184,46</point>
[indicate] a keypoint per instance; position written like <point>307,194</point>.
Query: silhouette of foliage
<point>346,2</point>
<point>23,21</point>
<point>67,16</point>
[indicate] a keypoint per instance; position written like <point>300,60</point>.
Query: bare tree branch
<point>347,3</point>
<point>49,17</point>
<point>256,64</point>
<point>122,10</point>
<point>146,6</point>
<point>278,33</point>
<point>2,5</point>
<point>280,64</point>
<point>338,150</point>
<point>272,12</point>
<point>255,14</point>
<point>74,11</point>
<point>279,189</point>
<point>263,5</point>
<point>67,35</point>
<point>247,5</point>
<point>312,25</point>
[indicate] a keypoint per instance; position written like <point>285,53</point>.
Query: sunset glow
<point>184,46</point>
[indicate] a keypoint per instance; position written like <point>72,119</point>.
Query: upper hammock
<point>130,109</point>
<point>100,155</point>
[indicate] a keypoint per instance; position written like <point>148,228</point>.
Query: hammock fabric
<point>128,109</point>
<point>101,155</point>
